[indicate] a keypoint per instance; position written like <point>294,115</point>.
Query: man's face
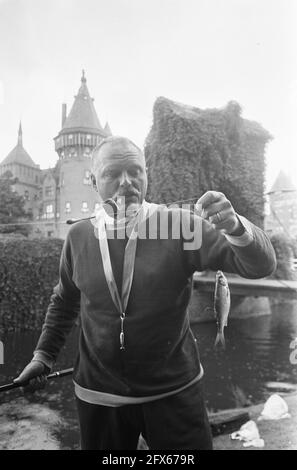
<point>120,171</point>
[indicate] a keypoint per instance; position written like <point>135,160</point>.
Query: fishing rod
<point>54,375</point>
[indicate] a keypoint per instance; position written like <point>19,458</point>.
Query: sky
<point>199,52</point>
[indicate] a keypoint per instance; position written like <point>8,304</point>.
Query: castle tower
<point>21,165</point>
<point>282,217</point>
<point>81,132</point>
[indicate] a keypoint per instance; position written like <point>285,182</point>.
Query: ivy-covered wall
<point>29,269</point>
<point>190,151</point>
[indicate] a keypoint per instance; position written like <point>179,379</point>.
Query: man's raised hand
<point>218,210</point>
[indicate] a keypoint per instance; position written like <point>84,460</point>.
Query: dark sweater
<point>161,352</point>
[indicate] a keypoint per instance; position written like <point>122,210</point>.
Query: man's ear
<point>93,179</point>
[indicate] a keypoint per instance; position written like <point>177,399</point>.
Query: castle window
<point>49,191</point>
<point>88,136</point>
<point>36,179</point>
<point>87,177</point>
<point>70,136</point>
<point>87,152</point>
<point>67,207</point>
<point>84,207</point>
<point>97,206</point>
<point>49,210</point>
<point>72,152</point>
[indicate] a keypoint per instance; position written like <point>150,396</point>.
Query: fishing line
<point>70,221</point>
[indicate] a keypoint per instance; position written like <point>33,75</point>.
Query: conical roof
<point>282,183</point>
<point>18,154</point>
<point>82,115</point>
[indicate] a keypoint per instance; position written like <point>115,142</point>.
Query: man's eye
<point>134,172</point>
<point>110,174</point>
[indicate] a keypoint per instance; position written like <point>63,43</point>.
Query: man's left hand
<point>218,210</point>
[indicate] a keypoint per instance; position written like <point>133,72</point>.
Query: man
<point>138,368</point>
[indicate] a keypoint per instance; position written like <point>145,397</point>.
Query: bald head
<point>118,144</point>
<point>118,169</point>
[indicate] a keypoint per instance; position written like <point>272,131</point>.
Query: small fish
<point>221,306</point>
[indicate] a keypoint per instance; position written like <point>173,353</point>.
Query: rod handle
<point>54,375</point>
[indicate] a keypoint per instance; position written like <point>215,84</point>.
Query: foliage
<point>28,273</point>
<point>12,207</point>
<point>284,250</point>
<point>294,246</point>
<point>190,151</point>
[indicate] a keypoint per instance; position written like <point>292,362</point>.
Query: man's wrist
<point>45,358</point>
<point>239,229</point>
<point>46,368</point>
<point>245,238</point>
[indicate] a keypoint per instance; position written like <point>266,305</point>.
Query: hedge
<point>190,151</point>
<point>29,269</point>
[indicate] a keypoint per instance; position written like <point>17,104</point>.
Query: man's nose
<point>125,179</point>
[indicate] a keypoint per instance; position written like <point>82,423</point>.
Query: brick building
<point>57,194</point>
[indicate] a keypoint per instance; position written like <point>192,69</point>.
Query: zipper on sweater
<point>122,336</point>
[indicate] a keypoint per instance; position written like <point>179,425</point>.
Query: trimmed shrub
<point>29,269</point>
<point>190,151</point>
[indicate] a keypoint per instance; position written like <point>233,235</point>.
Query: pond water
<point>257,351</point>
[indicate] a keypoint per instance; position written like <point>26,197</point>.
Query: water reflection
<point>257,352</point>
